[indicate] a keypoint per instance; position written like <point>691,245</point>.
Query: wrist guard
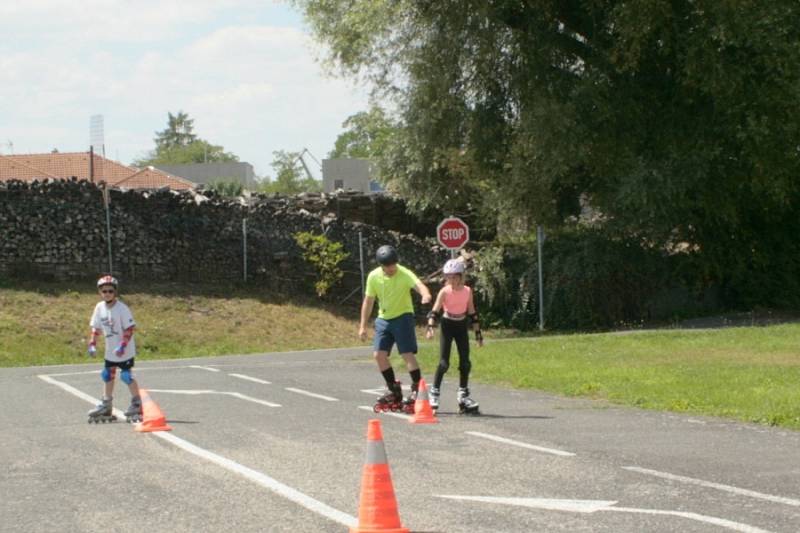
<point>433,317</point>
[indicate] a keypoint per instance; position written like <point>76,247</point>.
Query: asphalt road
<point>236,461</point>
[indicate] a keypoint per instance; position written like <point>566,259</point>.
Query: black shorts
<point>122,365</point>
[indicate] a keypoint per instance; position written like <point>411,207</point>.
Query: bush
<point>590,282</point>
<point>226,188</point>
<point>325,256</point>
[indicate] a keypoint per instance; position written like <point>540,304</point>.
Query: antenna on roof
<point>97,144</point>
<point>97,135</point>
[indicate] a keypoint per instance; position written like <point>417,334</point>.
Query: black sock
<point>388,375</point>
<point>415,376</point>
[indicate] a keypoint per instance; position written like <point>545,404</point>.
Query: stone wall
<point>57,230</point>
<point>379,210</point>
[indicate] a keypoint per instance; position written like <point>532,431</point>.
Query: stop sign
<point>452,233</point>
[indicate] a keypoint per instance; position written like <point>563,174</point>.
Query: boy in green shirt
<point>390,284</point>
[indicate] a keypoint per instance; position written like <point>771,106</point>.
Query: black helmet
<point>386,255</point>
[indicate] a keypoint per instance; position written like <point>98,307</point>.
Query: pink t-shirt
<point>455,302</point>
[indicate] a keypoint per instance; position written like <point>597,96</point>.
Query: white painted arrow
<point>591,506</point>
<point>224,393</point>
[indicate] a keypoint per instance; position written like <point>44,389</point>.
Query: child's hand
<point>92,350</point>
<point>120,351</point>
<point>429,333</point>
<point>479,337</point>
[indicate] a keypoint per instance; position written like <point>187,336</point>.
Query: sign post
<point>452,233</point>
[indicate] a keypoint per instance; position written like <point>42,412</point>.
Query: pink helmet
<point>107,280</point>
<point>453,266</point>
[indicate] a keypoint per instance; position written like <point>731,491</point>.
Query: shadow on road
<point>488,415</point>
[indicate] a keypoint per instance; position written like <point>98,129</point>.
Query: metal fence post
<point>106,202</point>
<point>361,262</point>
<point>539,242</point>
<point>244,249</point>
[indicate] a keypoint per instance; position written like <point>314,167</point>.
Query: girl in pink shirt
<point>456,308</point>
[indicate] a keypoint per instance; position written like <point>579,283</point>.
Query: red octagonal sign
<point>452,233</point>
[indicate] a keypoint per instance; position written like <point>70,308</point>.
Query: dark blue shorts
<point>122,365</point>
<point>399,330</point>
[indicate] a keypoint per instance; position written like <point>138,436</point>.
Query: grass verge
<point>750,374</point>
<point>48,324</point>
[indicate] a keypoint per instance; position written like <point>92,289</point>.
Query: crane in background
<point>305,165</point>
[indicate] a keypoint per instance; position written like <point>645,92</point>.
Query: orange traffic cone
<point>377,511</point>
<point>423,412</point>
<point>152,417</point>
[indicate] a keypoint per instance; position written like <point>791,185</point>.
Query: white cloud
<point>254,88</point>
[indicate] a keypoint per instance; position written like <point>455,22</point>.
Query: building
<point>205,173</point>
<point>349,175</point>
<point>57,165</point>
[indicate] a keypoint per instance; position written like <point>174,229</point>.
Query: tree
<point>677,120</point>
<point>366,135</point>
<point>179,132</point>
<point>291,177</point>
<point>177,144</point>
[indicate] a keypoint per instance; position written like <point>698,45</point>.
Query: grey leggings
<point>453,330</point>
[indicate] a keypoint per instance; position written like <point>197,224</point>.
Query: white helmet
<point>453,266</point>
<point>107,280</point>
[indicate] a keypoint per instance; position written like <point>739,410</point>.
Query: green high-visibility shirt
<point>392,292</point>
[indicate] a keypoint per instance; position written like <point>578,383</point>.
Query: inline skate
<point>134,411</point>
<point>103,412</point>
<point>408,403</point>
<point>434,397</point>
<point>391,401</point>
<point>466,405</point>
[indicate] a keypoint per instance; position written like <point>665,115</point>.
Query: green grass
<point>47,324</point>
<point>750,374</point>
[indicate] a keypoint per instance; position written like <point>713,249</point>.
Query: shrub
<point>325,256</point>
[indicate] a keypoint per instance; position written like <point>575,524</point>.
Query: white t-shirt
<point>112,321</point>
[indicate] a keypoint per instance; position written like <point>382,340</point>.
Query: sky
<point>246,71</point>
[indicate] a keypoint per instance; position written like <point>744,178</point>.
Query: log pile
<point>57,229</point>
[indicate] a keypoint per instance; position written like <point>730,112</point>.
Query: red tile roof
<point>153,178</point>
<point>30,167</point>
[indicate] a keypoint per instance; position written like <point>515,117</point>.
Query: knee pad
<point>126,377</point>
<point>443,366</point>
<point>108,374</point>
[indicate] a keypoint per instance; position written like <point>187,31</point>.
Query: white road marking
<point>138,369</point>
<point>721,522</point>
<point>387,413</point>
<point>718,486</point>
<point>312,394</point>
<point>70,389</point>
<point>574,506</point>
<point>591,506</point>
<point>495,438</point>
<point>224,393</point>
<point>260,478</point>
<point>250,378</point>
<point>209,368</point>
<point>375,392</point>
<point>264,480</point>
